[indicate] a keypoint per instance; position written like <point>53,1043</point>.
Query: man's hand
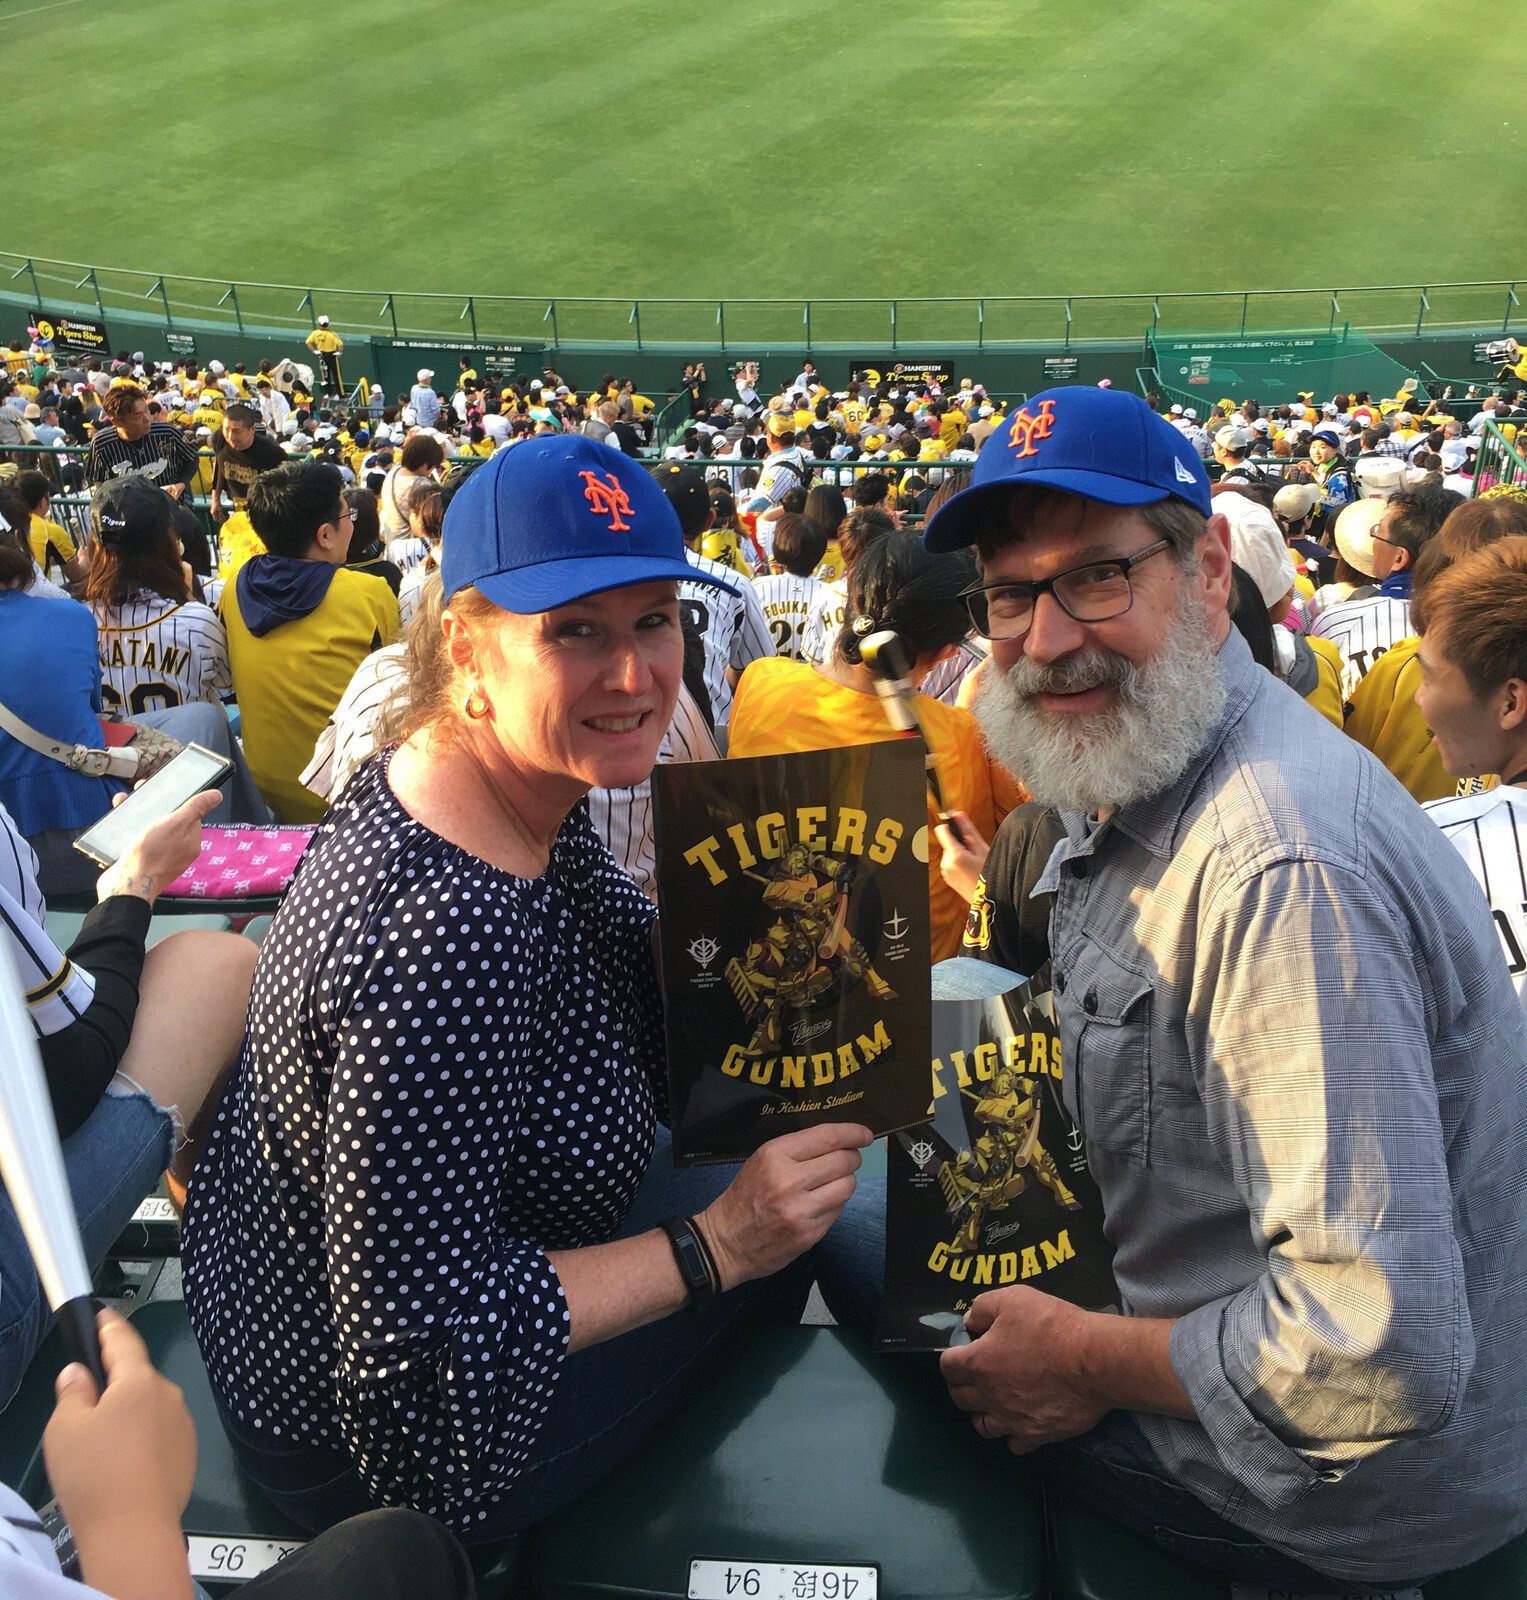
<point>174,490</point>
<point>1019,1378</point>
<point>1042,1369</point>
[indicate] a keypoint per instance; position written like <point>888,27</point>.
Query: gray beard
<point>1139,746</point>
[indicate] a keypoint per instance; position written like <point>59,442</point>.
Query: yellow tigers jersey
<point>1383,717</point>
<point>722,544</point>
<point>1326,695</point>
<point>43,535</point>
<point>289,682</point>
<point>853,413</point>
<point>830,568</point>
<point>324,341</point>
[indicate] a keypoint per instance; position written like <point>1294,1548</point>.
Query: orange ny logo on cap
<point>1026,429</point>
<point>606,498</point>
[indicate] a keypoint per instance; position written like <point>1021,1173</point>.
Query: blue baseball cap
<point>1100,443</point>
<point>556,518</point>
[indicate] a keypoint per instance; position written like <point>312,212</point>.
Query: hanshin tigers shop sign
<point>793,898</point>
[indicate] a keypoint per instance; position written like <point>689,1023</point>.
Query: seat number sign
<point>780,1580</point>
<point>236,1560</point>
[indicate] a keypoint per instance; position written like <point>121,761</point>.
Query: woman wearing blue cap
<point>431,1257</point>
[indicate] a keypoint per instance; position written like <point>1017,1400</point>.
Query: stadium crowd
<point>398,623</point>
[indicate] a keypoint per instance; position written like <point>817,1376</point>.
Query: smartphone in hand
<point>194,769</point>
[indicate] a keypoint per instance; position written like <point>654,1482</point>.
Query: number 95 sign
<point>772,1580</point>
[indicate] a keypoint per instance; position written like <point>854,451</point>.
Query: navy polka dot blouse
<point>448,1071</point>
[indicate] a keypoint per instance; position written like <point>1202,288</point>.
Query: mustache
<point>1091,667</point>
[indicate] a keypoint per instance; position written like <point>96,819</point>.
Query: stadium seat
<point>1091,1557</point>
<point>797,1444</point>
<point>64,926</point>
<point>22,1421</point>
<point>224,1504</point>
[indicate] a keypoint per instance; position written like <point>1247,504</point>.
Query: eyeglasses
<point>1093,593</point>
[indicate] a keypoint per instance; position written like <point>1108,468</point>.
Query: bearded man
<point>1290,1041</point>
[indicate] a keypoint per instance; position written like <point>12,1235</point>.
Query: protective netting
<point>1272,367</point>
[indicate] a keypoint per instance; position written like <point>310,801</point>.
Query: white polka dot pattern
<point>448,1071</point>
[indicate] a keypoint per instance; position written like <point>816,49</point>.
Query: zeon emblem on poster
<point>793,899</point>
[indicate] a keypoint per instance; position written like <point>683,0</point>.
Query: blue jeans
<point>609,1395</point>
<point>112,1162</point>
<point>1113,1469</point>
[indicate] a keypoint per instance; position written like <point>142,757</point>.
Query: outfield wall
<point>1012,367</point>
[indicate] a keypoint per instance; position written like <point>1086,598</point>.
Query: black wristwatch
<point>694,1260</point>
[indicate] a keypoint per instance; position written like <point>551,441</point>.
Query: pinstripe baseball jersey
<point>825,622</point>
<point>349,739</point>
<point>623,817</point>
<point>788,602</point>
<point>945,681</point>
<point>57,991</point>
<point>157,653</point>
<point>730,622</point>
<point>1363,630</point>
<point>1490,832</point>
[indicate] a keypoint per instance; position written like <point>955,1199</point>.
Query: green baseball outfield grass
<point>770,147</point>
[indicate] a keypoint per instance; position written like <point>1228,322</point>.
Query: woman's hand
<point>158,856</point>
<point>784,1199</point>
<point>122,1465</point>
<point>961,864</point>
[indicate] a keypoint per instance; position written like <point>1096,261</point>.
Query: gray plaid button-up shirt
<point>1295,1051</point>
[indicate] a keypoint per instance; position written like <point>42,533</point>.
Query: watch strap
<point>693,1260</point>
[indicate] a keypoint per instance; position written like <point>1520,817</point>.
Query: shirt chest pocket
<point>1111,1011</point>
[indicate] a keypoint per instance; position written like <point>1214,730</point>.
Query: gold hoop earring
<point>476,704</point>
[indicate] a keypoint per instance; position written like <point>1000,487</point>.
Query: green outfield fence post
<point>469,310</point>
<point>1335,313</point>
<point>388,312</point>
<point>36,292</point>
<point>807,319</point>
<point>307,300</point>
<point>551,311</point>
<point>1245,300</point>
<point>1425,306</point>
<point>95,289</point>
<point>233,295</point>
<point>159,290</point>
<point>1068,324</point>
<point>721,320</point>
<point>980,324</point>
<point>636,317</point>
<point>893,324</point>
<point>1511,300</point>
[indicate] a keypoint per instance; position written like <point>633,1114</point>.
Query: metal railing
<point>196,304</point>
<point>1499,461</point>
